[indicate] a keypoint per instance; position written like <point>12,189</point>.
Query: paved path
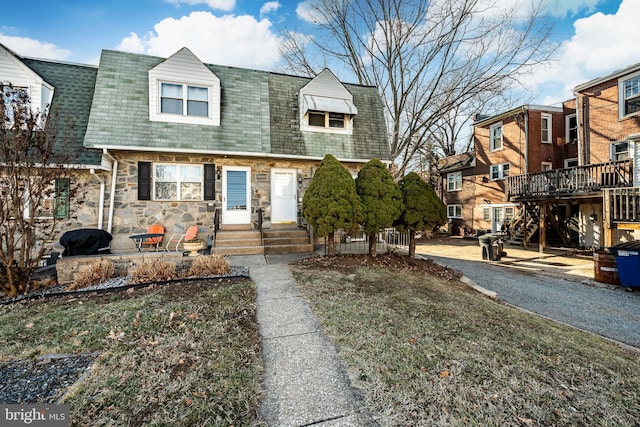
<point>602,309</point>
<point>304,383</point>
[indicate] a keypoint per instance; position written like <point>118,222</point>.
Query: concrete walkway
<point>304,382</point>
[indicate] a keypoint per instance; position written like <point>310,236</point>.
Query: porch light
<point>218,172</point>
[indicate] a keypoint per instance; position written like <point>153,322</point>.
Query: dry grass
<point>180,354</point>
<point>93,274</point>
<point>209,265</point>
<point>427,351</point>
<point>154,271</point>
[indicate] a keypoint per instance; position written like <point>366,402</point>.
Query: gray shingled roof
<point>71,101</point>
<point>259,115</point>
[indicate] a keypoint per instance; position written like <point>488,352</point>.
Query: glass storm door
<point>236,195</point>
<point>284,205</point>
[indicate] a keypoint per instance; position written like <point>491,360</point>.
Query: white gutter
<point>112,194</point>
<point>228,153</point>
<point>101,201</point>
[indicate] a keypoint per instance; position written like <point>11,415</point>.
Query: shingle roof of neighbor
<point>259,115</point>
<point>71,103</point>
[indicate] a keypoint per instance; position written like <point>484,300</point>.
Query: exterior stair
<point>288,240</point>
<point>238,242</point>
<point>276,240</point>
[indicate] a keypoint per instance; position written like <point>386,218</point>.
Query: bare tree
<point>430,59</point>
<point>34,187</point>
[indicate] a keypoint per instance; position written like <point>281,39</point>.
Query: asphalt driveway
<point>560,289</point>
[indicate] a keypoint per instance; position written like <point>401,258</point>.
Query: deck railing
<point>567,181</point>
<point>623,204</point>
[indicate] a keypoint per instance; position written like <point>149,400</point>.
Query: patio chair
<point>179,238</point>
<point>153,242</point>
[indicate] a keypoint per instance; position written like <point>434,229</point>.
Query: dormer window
<point>326,105</point>
<point>174,101</point>
<point>183,90</point>
<point>327,120</point>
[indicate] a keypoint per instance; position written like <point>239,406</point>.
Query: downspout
<point>101,201</point>
<point>526,139</point>
<point>112,194</point>
<point>579,139</point>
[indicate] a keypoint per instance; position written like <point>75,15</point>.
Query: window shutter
<point>144,180</point>
<point>61,204</point>
<point>209,182</point>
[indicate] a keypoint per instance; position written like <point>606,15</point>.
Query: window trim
<point>568,128</point>
<point>492,140</point>
<point>155,100</point>
<point>572,159</point>
<point>500,168</point>
<point>486,213</point>
<point>622,114</point>
<point>178,197</point>
<point>346,119</point>
<point>457,179</point>
<point>457,211</point>
<point>549,118</point>
<point>543,164</point>
<point>614,153</point>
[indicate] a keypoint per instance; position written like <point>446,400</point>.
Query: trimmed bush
<point>209,265</point>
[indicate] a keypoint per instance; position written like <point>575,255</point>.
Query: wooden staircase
<point>279,239</point>
<point>521,231</point>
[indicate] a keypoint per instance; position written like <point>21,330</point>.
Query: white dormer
<point>326,105</point>
<point>13,71</point>
<point>183,90</point>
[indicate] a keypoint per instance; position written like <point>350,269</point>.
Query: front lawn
<point>179,354</point>
<point>427,350</point>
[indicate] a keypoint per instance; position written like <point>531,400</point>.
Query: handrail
<point>622,204</point>
<point>260,219</point>
<point>216,224</point>
<point>579,179</point>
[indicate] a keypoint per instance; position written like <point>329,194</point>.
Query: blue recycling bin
<point>628,263</point>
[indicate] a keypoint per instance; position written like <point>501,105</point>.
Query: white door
<point>498,219</point>
<point>284,205</point>
<point>236,195</point>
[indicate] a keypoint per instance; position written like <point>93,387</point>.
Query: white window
<point>629,95</point>
<point>454,181</point>
<point>509,213</point>
<point>327,120</point>
<point>177,181</point>
<point>571,127</point>
<point>546,166</point>
<point>183,99</point>
<point>486,214</point>
<point>496,136</point>
<point>454,211</point>
<point>545,126</point>
<point>499,171</point>
<point>571,163</point>
<point>619,151</point>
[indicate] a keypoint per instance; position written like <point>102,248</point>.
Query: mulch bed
<point>347,262</point>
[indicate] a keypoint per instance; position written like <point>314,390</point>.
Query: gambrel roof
<point>259,116</point>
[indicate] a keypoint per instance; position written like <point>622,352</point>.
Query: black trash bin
<point>492,246</point>
<point>628,263</point>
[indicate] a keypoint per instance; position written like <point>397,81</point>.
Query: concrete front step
<point>288,249</point>
<point>274,241</point>
<point>220,243</point>
<point>285,233</point>
<point>240,234</point>
<point>245,250</point>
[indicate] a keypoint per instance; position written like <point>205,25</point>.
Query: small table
<point>139,239</point>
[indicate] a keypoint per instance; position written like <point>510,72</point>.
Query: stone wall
<point>67,268</point>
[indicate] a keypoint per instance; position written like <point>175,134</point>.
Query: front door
<point>284,205</point>
<point>236,195</point>
<point>498,219</point>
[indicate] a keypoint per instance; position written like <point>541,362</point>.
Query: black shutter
<point>144,180</point>
<point>209,182</point>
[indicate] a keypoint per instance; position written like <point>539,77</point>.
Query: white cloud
<point>34,48</point>
<point>268,7</point>
<point>239,41</point>
<point>307,12</point>
<point>226,5</point>
<point>601,44</point>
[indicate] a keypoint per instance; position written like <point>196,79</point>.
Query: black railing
<point>260,220</point>
<point>568,181</point>
<point>216,224</point>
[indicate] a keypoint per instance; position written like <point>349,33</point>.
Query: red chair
<point>152,241</point>
<point>177,238</point>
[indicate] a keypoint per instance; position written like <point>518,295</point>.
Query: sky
<point>596,37</point>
